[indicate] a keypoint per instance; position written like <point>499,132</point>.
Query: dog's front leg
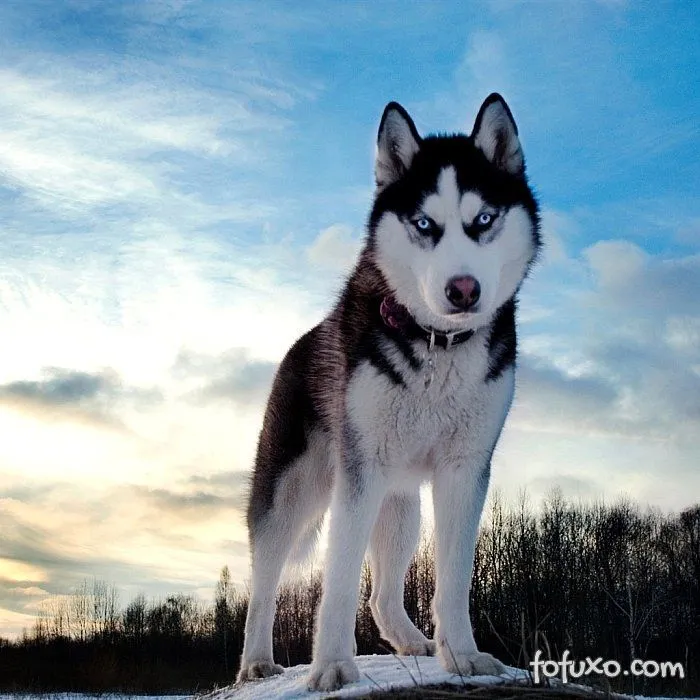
<point>358,493</point>
<point>459,490</point>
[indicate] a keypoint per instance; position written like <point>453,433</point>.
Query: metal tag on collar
<point>431,342</point>
<point>449,339</point>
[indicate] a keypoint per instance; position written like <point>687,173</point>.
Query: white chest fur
<point>406,428</point>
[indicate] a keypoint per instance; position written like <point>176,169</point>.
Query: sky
<point>183,188</point>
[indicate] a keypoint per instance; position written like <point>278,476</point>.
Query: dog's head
<point>454,227</point>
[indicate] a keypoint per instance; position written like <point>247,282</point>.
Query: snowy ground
<point>380,672</point>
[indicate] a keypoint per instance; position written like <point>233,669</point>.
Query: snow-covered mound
<point>378,672</point>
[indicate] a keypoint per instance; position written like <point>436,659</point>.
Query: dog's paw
<point>332,675</point>
<point>253,670</point>
<point>426,648</point>
<point>476,663</point>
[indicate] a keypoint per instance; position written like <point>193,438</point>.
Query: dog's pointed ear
<point>397,144</point>
<point>496,135</point>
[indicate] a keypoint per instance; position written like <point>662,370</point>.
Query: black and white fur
<point>361,413</point>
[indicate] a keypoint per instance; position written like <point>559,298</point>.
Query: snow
<point>378,672</point>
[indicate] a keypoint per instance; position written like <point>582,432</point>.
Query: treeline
<point>598,581</point>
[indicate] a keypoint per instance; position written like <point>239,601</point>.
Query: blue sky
<point>183,186</point>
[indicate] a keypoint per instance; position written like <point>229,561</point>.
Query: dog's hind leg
<point>269,551</point>
<point>392,545</point>
<point>301,498</point>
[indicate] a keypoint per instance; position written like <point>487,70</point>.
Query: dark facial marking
<point>475,173</point>
<point>482,231</point>
<point>426,229</point>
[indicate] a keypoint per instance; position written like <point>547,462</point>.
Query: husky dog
<point>408,379</point>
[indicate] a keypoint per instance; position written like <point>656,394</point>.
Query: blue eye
<point>484,219</point>
<point>424,224</point>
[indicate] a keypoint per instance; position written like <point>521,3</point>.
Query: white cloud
<point>485,67</point>
<point>74,139</point>
<point>335,248</point>
<point>617,263</point>
<point>29,591</point>
<point>683,334</point>
<point>556,228</point>
<point>608,394</point>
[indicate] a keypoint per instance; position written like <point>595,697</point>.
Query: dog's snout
<point>463,292</point>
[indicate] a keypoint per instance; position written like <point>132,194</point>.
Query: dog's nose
<point>463,292</point>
